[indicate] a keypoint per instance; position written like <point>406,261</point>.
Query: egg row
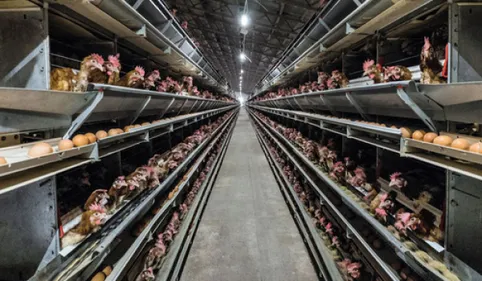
<point>443,140</point>
<point>43,148</point>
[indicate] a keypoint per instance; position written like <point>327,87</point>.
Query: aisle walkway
<point>246,232</point>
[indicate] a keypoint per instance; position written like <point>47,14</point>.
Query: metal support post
<point>328,105</point>
<point>77,123</point>
<point>167,108</point>
<point>140,110</point>
<point>357,106</point>
<point>416,109</point>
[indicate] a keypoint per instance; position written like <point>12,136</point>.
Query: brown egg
<point>476,147</point>
<point>156,121</point>
<point>100,276</point>
<point>120,131</point>
<point>91,137</point>
<point>394,127</point>
<point>40,149</point>
<point>406,132</point>
<point>127,128</point>
<point>443,140</point>
<point>429,137</point>
<point>107,270</point>
<point>137,126</point>
<point>3,161</point>
<point>101,134</point>
<point>65,144</point>
<point>113,132</point>
<point>80,140</point>
<point>418,134</point>
<point>145,124</point>
<point>460,143</point>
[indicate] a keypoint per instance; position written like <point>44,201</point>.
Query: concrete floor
<point>247,232</point>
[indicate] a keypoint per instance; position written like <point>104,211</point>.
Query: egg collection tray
<point>447,151</point>
<point>18,159</point>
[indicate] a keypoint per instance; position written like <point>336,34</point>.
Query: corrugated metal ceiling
<point>274,24</point>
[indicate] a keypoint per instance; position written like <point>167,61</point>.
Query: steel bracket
<point>327,103</point>
<point>416,109</point>
<point>307,102</point>
<point>167,108</point>
<point>180,109</point>
<point>323,23</point>
<point>322,48</point>
<point>288,101</point>
<point>356,105</point>
<point>140,110</point>
<point>298,104</point>
<point>192,107</point>
<point>166,26</point>
<point>349,29</point>
<point>142,31</point>
<point>137,4</point>
<point>84,115</point>
<point>200,106</point>
<point>357,2</point>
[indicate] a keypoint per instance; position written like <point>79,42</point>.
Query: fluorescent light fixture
<point>244,20</point>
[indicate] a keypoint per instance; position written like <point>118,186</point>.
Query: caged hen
<point>373,71</point>
<point>110,75</point>
<point>66,79</point>
<point>429,65</point>
<point>397,73</point>
<point>133,79</point>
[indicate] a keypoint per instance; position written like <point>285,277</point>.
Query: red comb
<point>98,58</point>
<point>97,207</point>
<point>367,64</point>
<point>140,70</point>
<point>395,175</point>
<point>114,60</point>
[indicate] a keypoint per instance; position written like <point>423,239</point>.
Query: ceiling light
<point>242,71</point>
<point>242,57</point>
<point>244,20</point>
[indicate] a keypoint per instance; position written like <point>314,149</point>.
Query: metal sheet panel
<point>465,220</point>
<point>24,49</point>
<point>28,223</point>
<point>467,46</point>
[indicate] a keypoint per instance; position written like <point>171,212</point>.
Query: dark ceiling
<point>274,24</point>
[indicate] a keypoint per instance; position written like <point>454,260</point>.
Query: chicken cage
<point>363,125</point>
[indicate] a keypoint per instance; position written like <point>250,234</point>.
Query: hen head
<point>97,214</point>
<point>152,78</point>
<point>94,61</point>
<point>370,69</point>
<point>354,269</point>
<point>147,275</point>
<point>322,77</point>
<point>338,167</point>
<point>136,75</point>
<point>188,81</point>
<point>396,180</point>
<point>120,182</point>
<point>427,47</point>
<point>112,65</point>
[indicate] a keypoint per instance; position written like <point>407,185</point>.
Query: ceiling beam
<point>189,11</point>
<point>237,36</point>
